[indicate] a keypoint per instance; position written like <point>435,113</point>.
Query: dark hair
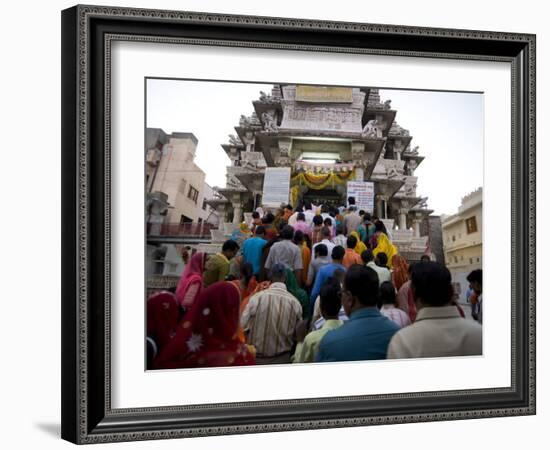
<point>362,283</point>
<point>301,216</point>
<point>324,208</point>
<point>431,282</point>
<point>330,297</point>
<point>268,218</point>
<point>282,223</point>
<point>255,215</point>
<point>307,204</point>
<point>247,272</point>
<point>230,245</point>
<point>475,276</point>
<point>260,229</point>
<point>328,222</point>
<point>351,200</point>
<point>387,293</point>
<point>278,272</point>
<point>325,232</point>
<point>361,212</point>
<point>382,259</point>
<point>367,217</point>
<point>288,207</point>
<point>351,242</point>
<point>287,232</point>
<point>298,236</point>
<point>230,277</point>
<point>321,250</point>
<point>317,220</point>
<point>307,239</point>
<point>367,256</point>
<point>425,258</point>
<point>379,225</point>
<point>338,252</point>
<point>339,229</point>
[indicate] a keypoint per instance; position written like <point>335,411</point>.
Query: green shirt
<point>216,269</point>
<point>305,351</point>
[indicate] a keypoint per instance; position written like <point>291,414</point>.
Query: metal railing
<point>198,230</point>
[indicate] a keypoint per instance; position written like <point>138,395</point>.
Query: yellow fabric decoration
<point>321,181</point>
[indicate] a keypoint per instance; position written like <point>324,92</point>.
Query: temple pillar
<point>402,219</point>
<point>237,213</point>
<point>381,207</point>
<point>359,173</point>
<point>416,227</point>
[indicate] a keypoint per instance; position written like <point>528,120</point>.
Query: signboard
<point>363,191</point>
<point>324,94</point>
<point>276,186</point>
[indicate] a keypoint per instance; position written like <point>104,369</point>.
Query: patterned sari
<point>207,335</point>
<point>162,317</point>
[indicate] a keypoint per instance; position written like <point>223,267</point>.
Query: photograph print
<point>297,224</point>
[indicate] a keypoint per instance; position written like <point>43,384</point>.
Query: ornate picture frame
<point>87,35</point>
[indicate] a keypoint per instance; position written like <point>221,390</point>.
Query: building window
<point>193,194</point>
<point>477,259</point>
<point>454,238</point>
<point>471,225</point>
<point>183,183</point>
<point>456,259</point>
<point>204,205</point>
<point>471,260</point>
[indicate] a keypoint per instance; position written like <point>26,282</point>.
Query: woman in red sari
<point>162,317</point>
<point>207,335</point>
<point>190,283</point>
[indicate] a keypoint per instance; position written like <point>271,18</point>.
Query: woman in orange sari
<point>400,273</point>
<point>300,241</point>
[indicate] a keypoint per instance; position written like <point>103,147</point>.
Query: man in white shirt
<point>438,330</point>
<point>325,234</point>
<point>383,273</point>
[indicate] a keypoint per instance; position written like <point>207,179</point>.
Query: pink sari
<point>190,283</point>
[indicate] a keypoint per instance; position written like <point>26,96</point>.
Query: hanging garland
<point>319,181</point>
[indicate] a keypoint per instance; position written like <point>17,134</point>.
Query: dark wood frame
<point>87,31</point>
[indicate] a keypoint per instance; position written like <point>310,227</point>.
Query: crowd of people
<point>310,284</point>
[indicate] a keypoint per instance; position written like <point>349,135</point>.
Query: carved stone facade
<point>350,128</point>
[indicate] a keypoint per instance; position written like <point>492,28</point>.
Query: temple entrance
<point>328,197</point>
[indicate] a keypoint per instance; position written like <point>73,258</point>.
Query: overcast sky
<point>447,127</point>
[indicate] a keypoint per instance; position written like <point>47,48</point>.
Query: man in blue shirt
<point>367,333</point>
<point>252,249</point>
<point>327,271</point>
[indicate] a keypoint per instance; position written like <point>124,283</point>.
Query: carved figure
<point>234,140</point>
<point>387,104</point>
<point>269,122</point>
<point>370,129</point>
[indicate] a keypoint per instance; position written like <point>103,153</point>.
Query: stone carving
<point>410,190</point>
<point>423,203</point>
<point>266,98</point>
<point>232,182</point>
<point>411,166</point>
<point>371,129</point>
<point>246,122</point>
<point>398,130</point>
<point>387,104</point>
<point>414,151</point>
<point>392,173</point>
<point>235,140</point>
<point>270,124</point>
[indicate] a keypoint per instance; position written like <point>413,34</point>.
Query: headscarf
<point>207,336</point>
<point>360,247</point>
<point>192,275</point>
<point>293,287</point>
<point>385,245</point>
<point>162,317</point>
<point>400,272</point>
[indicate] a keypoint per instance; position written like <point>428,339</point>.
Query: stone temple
<point>327,136</point>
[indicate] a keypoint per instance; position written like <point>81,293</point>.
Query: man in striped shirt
<point>270,318</point>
